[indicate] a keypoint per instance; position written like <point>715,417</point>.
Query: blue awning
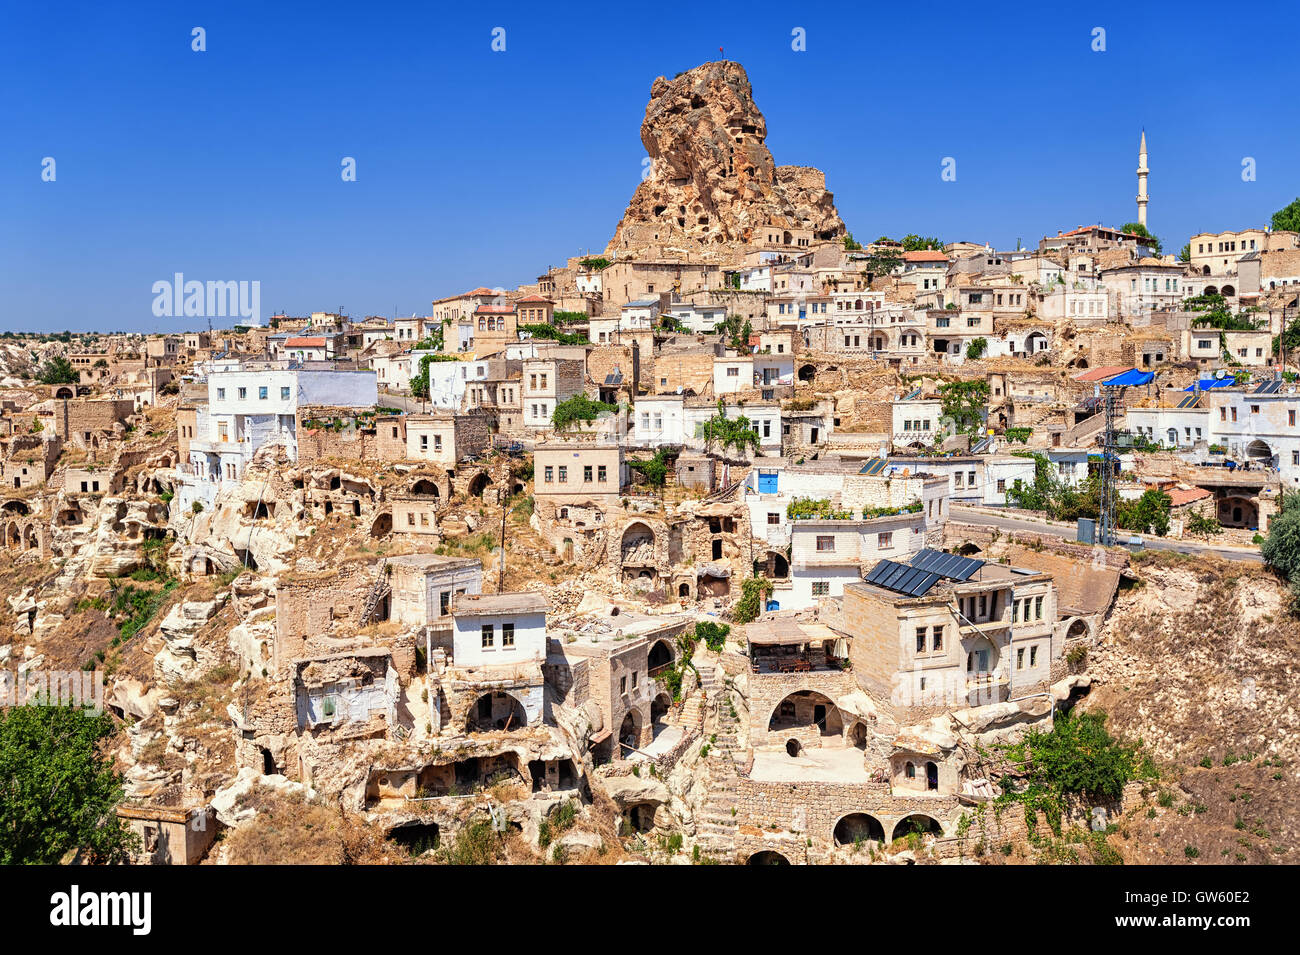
<point>1130,377</point>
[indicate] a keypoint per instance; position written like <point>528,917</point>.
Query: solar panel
<point>1189,400</point>
<point>874,466</point>
<point>913,395</point>
<point>952,566</point>
<point>981,446</point>
<point>901,578</point>
<point>1269,387</point>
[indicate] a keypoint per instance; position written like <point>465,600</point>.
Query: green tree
<point>58,789</point>
<point>58,371</point>
<point>727,432</point>
<point>654,470</point>
<point>1287,219</point>
<point>977,348</point>
<point>1137,228</point>
<point>1281,548</point>
<point>965,403</point>
<point>1148,514</point>
<point>579,408</point>
<point>1078,757</point>
<point>1185,253</point>
<point>849,244</point>
<point>916,243</point>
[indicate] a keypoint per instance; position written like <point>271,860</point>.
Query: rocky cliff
<point>712,179</point>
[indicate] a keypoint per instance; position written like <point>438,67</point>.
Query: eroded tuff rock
<point>712,178</point>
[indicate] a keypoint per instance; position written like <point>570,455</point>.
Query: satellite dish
<point>1220,374</point>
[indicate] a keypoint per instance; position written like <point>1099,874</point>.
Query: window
<point>424,442</point>
<point>1002,485</point>
<point>488,635</point>
<point>328,707</point>
<point>1033,655</point>
<point>634,679</point>
<point>564,474</point>
<point>261,393</point>
<point>437,442</point>
<point>956,478</point>
<point>774,518</point>
<point>1038,608</point>
<point>507,635</point>
<point>825,542</point>
<point>733,371</point>
<point>920,639</point>
<point>820,588</point>
<point>1015,611</point>
<point>243,393</point>
<point>221,394</point>
<point>602,472</point>
<point>1020,658</point>
<point>284,394</point>
<point>444,603</point>
<point>970,478</point>
<point>885,539</point>
<point>550,474</point>
<point>410,520</point>
<point>622,684</point>
<point>936,638</point>
<point>586,474</point>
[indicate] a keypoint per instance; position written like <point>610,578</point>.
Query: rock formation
<point>711,178</point>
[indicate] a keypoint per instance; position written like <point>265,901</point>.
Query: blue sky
<point>482,168</point>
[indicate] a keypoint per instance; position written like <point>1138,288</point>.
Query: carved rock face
<point>712,178</point>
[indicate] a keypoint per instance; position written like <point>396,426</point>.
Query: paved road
<point>1011,522</point>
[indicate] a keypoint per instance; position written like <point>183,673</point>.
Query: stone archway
<point>856,828</point>
<point>426,487</point>
<point>767,857</point>
<point>918,823</point>
<point>807,373</point>
<point>1078,628</point>
<point>479,484</point>
<point>661,655</point>
<point>807,710</point>
<point>637,550</point>
<point>660,707</point>
<point>1238,511</point>
<point>496,710</point>
<point>629,734</point>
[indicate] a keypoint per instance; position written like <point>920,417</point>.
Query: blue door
<point>773,605</point>
<point>766,483</point>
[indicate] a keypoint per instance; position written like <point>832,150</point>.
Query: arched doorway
<point>807,373</point>
<point>1211,290</point>
<point>918,824</point>
<point>767,857</point>
<point>629,733</point>
<point>1079,628</point>
<point>1259,450</point>
<point>1238,512</point>
<point>382,525</point>
<point>496,711</point>
<point>858,827</point>
<point>1036,342</point>
<point>858,735</point>
<point>426,488</point>
<point>1229,291</point>
<point>479,483</point>
<point>660,655</point>
<point>13,538</point>
<point>637,547</point>
<point>807,709</point>
<point>641,816</point>
<point>659,709</point>
<point>932,777</point>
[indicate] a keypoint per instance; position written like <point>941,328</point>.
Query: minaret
<point>1142,179</point>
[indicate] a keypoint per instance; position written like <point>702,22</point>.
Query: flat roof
<point>481,604</point>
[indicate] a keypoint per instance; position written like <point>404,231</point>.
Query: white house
<point>825,554</point>
<point>498,629</point>
<point>250,406</point>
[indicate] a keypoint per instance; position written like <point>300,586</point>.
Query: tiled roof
<point>305,343</point>
<point>924,255</point>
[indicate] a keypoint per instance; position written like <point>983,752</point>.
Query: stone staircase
<point>716,821</point>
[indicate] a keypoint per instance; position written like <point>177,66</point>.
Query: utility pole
<point>501,560</point>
